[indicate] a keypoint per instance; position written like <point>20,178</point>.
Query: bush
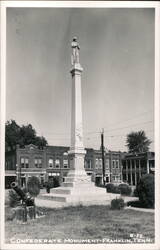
<point>33,186</point>
<point>111,188</point>
<point>135,193</point>
<point>56,182</point>
<point>116,190</point>
<point>125,189</point>
<point>145,190</point>
<point>14,199</point>
<point>52,183</point>
<point>117,204</point>
<point>135,204</point>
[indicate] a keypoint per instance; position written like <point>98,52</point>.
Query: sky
<point>117,56</point>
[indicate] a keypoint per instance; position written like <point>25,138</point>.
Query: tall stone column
<point>77,151</point>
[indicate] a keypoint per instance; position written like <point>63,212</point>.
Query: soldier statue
<point>75,51</point>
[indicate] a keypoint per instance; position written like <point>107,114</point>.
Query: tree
<point>12,135</point>
<point>27,135</point>
<point>40,141</point>
<point>22,135</point>
<point>138,142</point>
<point>146,190</point>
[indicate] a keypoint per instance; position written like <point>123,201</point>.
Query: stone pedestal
<point>76,189</point>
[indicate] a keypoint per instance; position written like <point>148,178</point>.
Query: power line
<point>132,118</point>
<point>129,126</point>
<point>129,119</point>
<point>98,132</point>
<point>93,138</point>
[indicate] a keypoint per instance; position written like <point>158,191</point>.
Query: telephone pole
<point>102,150</point>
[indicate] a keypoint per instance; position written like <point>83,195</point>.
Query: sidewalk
<point>148,210</point>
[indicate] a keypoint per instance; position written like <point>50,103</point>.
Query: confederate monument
<point>77,187</point>
<point>77,151</point>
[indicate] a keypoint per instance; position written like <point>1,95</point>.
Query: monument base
<point>75,190</point>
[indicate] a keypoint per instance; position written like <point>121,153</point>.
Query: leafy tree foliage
<point>146,190</point>
<point>27,135</point>
<point>22,135</point>
<point>40,141</point>
<point>138,142</point>
<point>12,134</point>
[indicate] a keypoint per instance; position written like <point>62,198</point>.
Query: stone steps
<point>67,184</point>
<point>50,203</point>
<point>68,195</point>
<point>53,197</point>
<point>69,179</point>
<point>74,199</point>
<point>61,190</point>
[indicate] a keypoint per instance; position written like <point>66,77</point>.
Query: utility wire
<point>97,132</point>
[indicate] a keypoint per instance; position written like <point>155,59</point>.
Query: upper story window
<point>57,163</point>
<point>98,163</point>
<point>38,162</point>
<point>113,163</point>
<point>117,163</point>
<point>107,163</point>
<point>88,163</point>
<point>24,162</point>
<point>50,163</point>
<point>65,163</point>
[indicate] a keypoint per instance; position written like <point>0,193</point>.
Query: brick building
<point>54,162</point>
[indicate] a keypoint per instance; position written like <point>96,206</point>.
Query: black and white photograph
<point>79,156</point>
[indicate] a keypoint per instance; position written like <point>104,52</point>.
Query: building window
<point>57,163</point>
<point>113,178</point>
<point>24,162</point>
<point>50,163</point>
<point>113,164</point>
<point>88,163</point>
<point>65,163</point>
<point>100,163</point>
<point>38,162</point>
<point>107,163</point>
<point>117,164</point>
<point>96,163</point>
<point>116,178</point>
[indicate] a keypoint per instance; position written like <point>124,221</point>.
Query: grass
<point>82,222</point>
